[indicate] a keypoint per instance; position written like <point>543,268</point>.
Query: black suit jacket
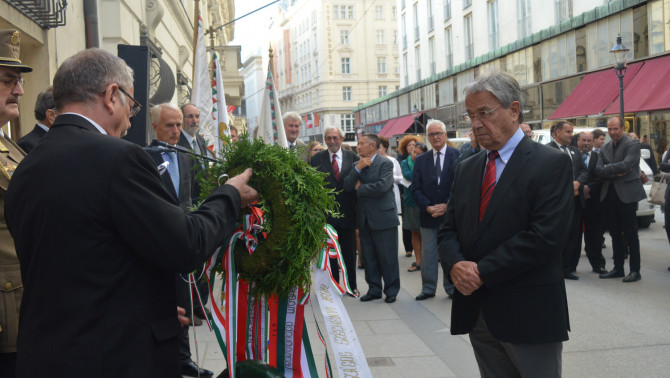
<point>30,140</point>
<point>185,177</point>
<point>425,190</point>
<point>517,246</point>
<point>195,163</point>
<point>99,239</point>
<point>594,182</point>
<point>346,199</point>
<point>579,171</point>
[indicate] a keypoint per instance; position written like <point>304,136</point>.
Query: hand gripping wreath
<point>295,205</point>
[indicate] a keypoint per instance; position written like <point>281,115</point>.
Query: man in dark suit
<point>337,163</point>
<point>191,139</point>
<point>503,236</point>
<point>562,134</point>
<point>619,170</point>
<point>592,215</point>
<point>90,215</point>
<point>431,183</point>
<point>292,124</point>
<point>45,116</point>
<point>376,218</point>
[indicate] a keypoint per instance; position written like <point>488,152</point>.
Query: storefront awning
<point>594,93</point>
<point>398,125</point>
<point>649,89</point>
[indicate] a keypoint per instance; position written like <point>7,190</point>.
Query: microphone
<point>183,150</point>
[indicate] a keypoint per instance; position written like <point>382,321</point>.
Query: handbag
<point>657,192</point>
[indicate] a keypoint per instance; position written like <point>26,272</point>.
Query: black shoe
<point>632,277</point>
<point>614,273</point>
<point>369,297</point>
<point>192,370</point>
<point>600,270</point>
<point>389,299</point>
<point>355,295</point>
<point>423,296</point>
<point>570,276</point>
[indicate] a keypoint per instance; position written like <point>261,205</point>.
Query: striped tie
<point>489,183</point>
<point>336,168</point>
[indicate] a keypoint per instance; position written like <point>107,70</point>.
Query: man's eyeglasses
<point>435,135</point>
<point>482,114</point>
<point>136,105</point>
<point>10,82</point>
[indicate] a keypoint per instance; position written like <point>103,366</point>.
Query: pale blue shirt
<point>507,151</point>
<point>358,170</point>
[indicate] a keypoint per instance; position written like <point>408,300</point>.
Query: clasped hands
<point>437,210</point>
<point>465,276</point>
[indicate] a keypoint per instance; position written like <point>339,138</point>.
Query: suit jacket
<point>302,150</point>
<point>195,163</point>
<point>579,171</point>
<point>346,199</point>
<point>375,200</point>
<point>10,271</point>
<point>99,238</point>
<point>185,177</point>
<point>517,245</point>
<point>30,140</point>
<point>621,168</point>
<point>594,181</point>
<point>425,190</point>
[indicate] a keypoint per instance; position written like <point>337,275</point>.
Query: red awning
<point>594,93</point>
<point>398,125</point>
<point>649,89</point>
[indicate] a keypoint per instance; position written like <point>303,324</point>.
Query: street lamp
<point>620,55</point>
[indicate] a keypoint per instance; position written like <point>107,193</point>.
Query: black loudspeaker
<point>137,58</point>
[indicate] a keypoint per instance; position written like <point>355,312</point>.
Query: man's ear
<point>51,116</point>
<point>515,107</point>
<point>110,97</point>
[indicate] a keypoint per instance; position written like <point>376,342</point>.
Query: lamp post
<point>620,56</point>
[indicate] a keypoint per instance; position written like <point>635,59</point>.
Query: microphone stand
<point>184,150</point>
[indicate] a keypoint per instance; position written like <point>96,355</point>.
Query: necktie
<point>489,183</point>
<point>438,169</point>
<point>173,168</point>
<point>195,146</point>
<point>586,158</point>
<point>336,168</point>
<point>291,145</point>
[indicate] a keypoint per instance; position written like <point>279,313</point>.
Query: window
<point>396,64</point>
<point>429,10</point>
<point>563,10</point>
<point>416,22</point>
<point>417,62</point>
<point>350,12</point>
<point>405,69</point>
<point>466,3</point>
<point>380,37</point>
<point>449,49</point>
<point>346,93</point>
<point>383,90</point>
<point>447,10</point>
<point>344,37</point>
<point>469,48</point>
<point>347,123</point>
<point>394,12</point>
<point>494,32</point>
<point>404,32</point>
<point>431,55</point>
<point>346,66</point>
<point>523,12</point>
<point>379,12</point>
<point>381,65</point>
<point>395,37</point>
<point>336,11</point>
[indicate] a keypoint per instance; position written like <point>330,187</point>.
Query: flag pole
<point>196,11</point>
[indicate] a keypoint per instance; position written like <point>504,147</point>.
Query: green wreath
<point>295,206</point>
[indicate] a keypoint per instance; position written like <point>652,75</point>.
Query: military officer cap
<point>10,45</point>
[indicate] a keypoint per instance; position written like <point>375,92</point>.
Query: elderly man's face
<point>585,141</point>
<point>333,140</point>
<point>168,127</point>
<point>10,91</point>
<point>191,119</point>
<point>292,128</point>
<point>436,136</point>
<point>366,147</point>
<point>498,125</point>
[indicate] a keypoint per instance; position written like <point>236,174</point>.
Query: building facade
<point>333,55</point>
<point>554,48</point>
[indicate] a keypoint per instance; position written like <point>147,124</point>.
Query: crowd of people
<point>113,224</point>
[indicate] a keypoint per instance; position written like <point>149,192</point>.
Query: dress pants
<point>347,240</point>
<point>184,301</point>
<point>497,358</point>
<point>622,224</point>
<point>380,260</point>
<point>573,247</point>
<point>430,263</point>
<point>593,232</point>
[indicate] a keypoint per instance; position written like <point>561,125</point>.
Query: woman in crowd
<point>405,148</point>
<point>410,216</point>
<point>314,147</point>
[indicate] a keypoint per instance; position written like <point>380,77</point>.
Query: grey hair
<point>437,121</point>
<point>83,76</point>
<point>328,128</point>
<point>501,85</point>
<point>292,115</point>
<point>45,101</point>
<point>156,111</point>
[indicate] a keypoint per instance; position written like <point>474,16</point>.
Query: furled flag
<point>271,125</point>
<point>201,96</point>
<point>309,120</point>
<point>219,107</point>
